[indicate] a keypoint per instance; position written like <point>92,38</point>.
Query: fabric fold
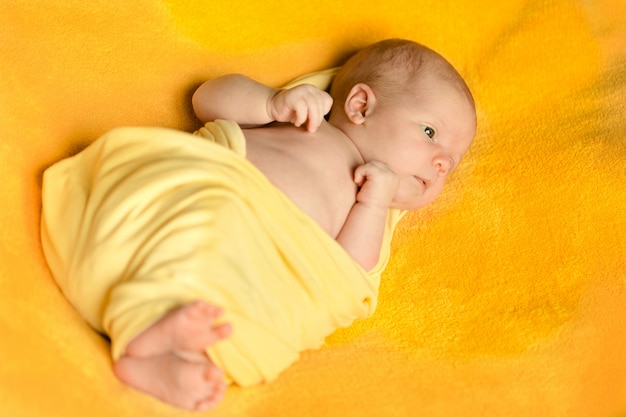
<point>146,219</point>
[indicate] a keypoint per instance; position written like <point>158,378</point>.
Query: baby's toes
<point>214,389</point>
<point>221,331</point>
<point>213,374</point>
<point>201,311</point>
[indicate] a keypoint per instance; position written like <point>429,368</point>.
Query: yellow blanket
<point>147,219</point>
<point>506,297</point>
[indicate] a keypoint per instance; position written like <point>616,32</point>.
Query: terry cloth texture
<point>506,297</point>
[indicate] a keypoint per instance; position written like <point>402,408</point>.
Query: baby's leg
<point>168,360</point>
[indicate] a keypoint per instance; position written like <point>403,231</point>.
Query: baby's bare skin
<point>345,174</point>
<point>168,360</point>
<point>321,168</point>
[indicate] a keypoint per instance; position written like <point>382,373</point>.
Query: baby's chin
<point>414,203</point>
<point>411,197</point>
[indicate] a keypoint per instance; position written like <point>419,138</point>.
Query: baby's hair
<point>392,67</point>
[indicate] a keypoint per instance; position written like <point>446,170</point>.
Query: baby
<point>400,120</point>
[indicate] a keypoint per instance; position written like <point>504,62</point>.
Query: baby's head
<point>405,105</point>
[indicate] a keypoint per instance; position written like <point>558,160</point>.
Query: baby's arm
<point>363,232</point>
<point>250,103</point>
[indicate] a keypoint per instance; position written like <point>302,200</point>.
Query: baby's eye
<point>430,132</point>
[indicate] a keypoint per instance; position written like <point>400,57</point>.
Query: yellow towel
<point>506,297</point>
<point>148,219</point>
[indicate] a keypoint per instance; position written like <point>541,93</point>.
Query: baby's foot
<point>190,328</point>
<point>185,384</point>
<point>168,360</point>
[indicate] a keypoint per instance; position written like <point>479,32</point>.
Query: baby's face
<point>423,140</point>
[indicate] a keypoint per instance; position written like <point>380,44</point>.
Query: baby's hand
<point>303,103</point>
<point>378,184</point>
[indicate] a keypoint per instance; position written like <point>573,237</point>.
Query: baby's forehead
<point>459,100</point>
<point>443,78</point>
<point>456,107</point>
<point>444,93</point>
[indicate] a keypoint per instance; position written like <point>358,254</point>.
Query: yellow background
<point>505,298</point>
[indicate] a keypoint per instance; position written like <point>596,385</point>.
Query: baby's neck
<point>355,154</point>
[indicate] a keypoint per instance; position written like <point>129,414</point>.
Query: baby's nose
<point>442,165</point>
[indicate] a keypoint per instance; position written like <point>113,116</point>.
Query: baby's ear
<point>360,102</point>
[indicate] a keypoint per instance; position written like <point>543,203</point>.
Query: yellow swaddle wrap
<point>147,219</point>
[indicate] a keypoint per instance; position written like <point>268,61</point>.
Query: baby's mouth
<point>424,182</point>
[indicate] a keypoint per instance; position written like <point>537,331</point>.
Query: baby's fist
<point>300,104</point>
<point>378,184</point>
